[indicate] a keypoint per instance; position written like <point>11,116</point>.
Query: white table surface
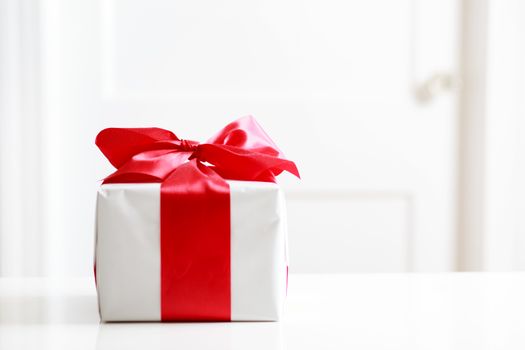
<point>362,311</point>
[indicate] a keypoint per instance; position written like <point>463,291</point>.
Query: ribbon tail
<point>239,164</point>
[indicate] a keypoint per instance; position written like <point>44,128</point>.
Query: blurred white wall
<point>22,182</point>
<point>504,222</point>
<point>370,98</point>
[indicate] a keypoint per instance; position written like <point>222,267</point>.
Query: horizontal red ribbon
<point>195,204</point>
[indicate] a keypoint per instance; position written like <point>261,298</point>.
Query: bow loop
<point>247,134</point>
<point>120,144</point>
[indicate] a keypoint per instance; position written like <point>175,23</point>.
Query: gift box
<point>189,231</point>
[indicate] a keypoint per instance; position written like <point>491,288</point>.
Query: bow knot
<point>188,145</point>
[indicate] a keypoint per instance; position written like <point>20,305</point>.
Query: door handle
<point>437,84</point>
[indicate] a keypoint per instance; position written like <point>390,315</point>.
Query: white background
<point>404,118</point>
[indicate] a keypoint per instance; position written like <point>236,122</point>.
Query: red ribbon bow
<point>195,204</point>
<point>240,151</point>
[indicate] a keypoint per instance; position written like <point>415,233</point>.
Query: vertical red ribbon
<point>195,245</point>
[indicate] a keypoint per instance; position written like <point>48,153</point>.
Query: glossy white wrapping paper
<point>127,251</point>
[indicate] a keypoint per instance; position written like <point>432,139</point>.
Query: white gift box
<point>128,258</point>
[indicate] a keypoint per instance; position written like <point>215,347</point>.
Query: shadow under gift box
<point>128,258</point>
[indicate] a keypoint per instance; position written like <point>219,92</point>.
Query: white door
<point>333,82</point>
